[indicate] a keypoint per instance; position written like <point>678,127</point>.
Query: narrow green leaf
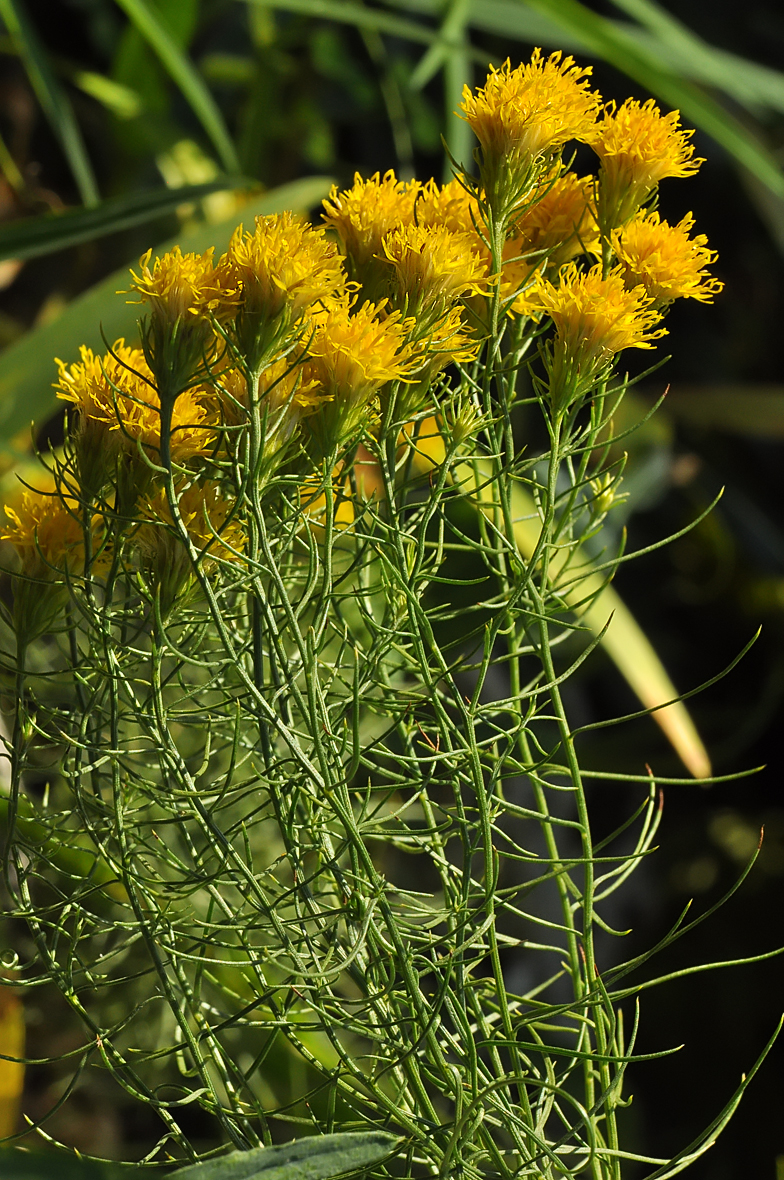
<point>53,99</point>
<point>122,101</point>
<point>27,368</point>
<point>451,38</point>
<point>184,74</point>
<point>616,45</point>
<point>349,13</point>
<point>510,18</point>
<point>686,53</point>
<point>316,1158</point>
<point>34,236</point>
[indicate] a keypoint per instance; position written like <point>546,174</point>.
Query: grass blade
<point>687,54</point>
<point>348,13</point>
<point>184,74</point>
<point>34,236</point>
<point>27,368</point>
<point>53,99</point>
<point>450,39</point>
<point>316,1158</point>
<point>618,46</point>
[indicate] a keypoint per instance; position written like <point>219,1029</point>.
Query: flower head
<point>433,267</point>
<point>211,526</point>
<point>364,214</point>
<point>116,395</point>
<point>562,224</point>
<point>450,205</point>
<point>278,271</point>
<point>185,292</point>
<point>351,354</point>
<point>595,318</point>
<point>94,386</point>
<point>180,286</point>
<point>46,530</point>
<point>522,118</point>
<point>638,147</point>
<point>664,260</point>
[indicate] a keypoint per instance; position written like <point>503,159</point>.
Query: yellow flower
<point>185,293</point>
<point>119,405</point>
<point>46,531</point>
<point>351,354</point>
<point>522,118</point>
<point>180,286</point>
<point>562,224</point>
<point>595,318</point>
<point>281,269</point>
<point>638,147</point>
<point>448,342</point>
<point>45,528</point>
<point>364,214</point>
<point>664,260</point>
<point>211,525</point>
<point>450,205</point>
<point>281,389</point>
<point>433,268</point>
<point>91,386</point>
<point>138,422</point>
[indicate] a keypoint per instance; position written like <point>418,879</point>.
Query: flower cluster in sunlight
<point>266,367</point>
<point>523,117</point>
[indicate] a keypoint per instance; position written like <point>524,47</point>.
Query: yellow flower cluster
<point>523,117</point>
<point>300,340</point>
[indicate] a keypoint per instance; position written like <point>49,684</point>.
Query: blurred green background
<point>125,123</point>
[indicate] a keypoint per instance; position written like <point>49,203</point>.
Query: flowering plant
<point>325,833</point>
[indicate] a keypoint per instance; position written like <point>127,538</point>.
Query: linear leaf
<point>27,368</point>
<point>34,236</point>
<point>53,99</point>
<point>185,75</point>
<point>686,53</point>
<point>510,18</point>
<point>316,1158</point>
<point>349,13</point>
<point>618,46</point>
<point>625,642</point>
<point>451,38</point>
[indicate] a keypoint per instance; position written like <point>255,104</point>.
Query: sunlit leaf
<point>121,100</point>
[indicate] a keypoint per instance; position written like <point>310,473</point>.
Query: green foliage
<point>331,835</point>
<point>318,1158</point>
